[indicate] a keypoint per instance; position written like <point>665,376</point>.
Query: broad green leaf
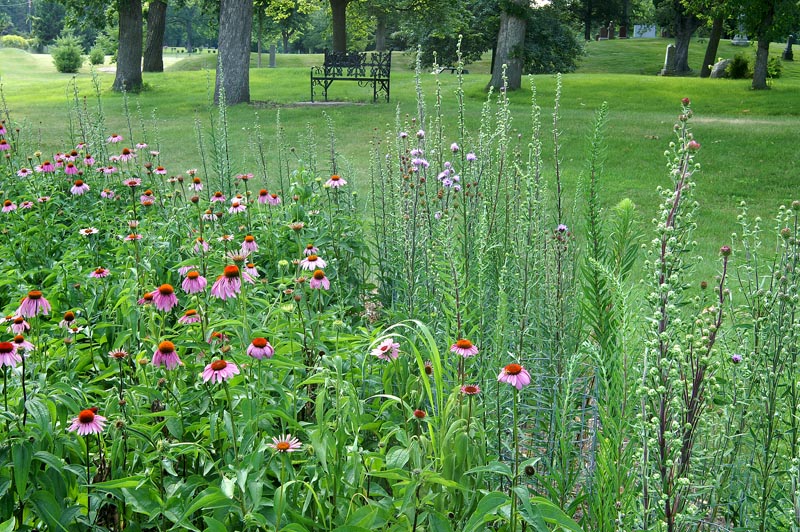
<point>8,526</point>
<point>486,511</point>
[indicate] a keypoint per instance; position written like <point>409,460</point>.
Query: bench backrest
<point>357,64</point>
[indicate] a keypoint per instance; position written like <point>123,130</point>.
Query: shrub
<point>96,56</point>
<point>14,41</point>
<point>67,54</point>
<point>774,68</point>
<point>739,68</point>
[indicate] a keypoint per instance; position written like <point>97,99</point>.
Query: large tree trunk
<point>259,32</point>
<point>285,41</point>
<point>339,23</point>
<point>762,52</point>
<point>380,32</point>
<point>154,44</point>
<point>510,47</point>
<point>233,57</point>
<point>685,26</point>
<point>760,66</point>
<point>587,21</point>
<point>189,29</point>
<point>129,57</point>
<point>711,50</point>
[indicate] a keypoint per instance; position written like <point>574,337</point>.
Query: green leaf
<point>21,454</point>
<point>486,511</point>
<point>209,499</point>
<point>48,509</point>
<point>8,526</point>
<point>438,522</point>
<point>119,483</point>
<point>555,515</point>
<point>212,525</point>
<point>493,467</point>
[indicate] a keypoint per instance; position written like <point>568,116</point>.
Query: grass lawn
<point>749,138</point>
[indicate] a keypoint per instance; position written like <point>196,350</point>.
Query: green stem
<point>516,467</point>
<point>233,423</point>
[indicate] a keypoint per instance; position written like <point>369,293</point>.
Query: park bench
<point>367,69</point>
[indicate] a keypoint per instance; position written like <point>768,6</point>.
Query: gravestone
<point>623,32</point>
<point>644,31</point>
<point>611,30</point>
<point>669,61</point>
<point>603,34</point>
<point>719,70</point>
<point>272,56</point>
<point>787,53</point>
<point>740,39</point>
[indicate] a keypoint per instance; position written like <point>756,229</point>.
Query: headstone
<point>611,30</point>
<point>740,39</point>
<point>787,53</point>
<point>669,61</point>
<point>623,32</point>
<point>644,31</point>
<point>272,56</point>
<point>603,34</point>
<point>720,69</point>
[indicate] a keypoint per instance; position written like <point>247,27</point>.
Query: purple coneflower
<point>146,299</point>
<point>218,337</point>
<point>310,250</point>
<point>164,297</point>
<point>79,188</point>
<point>237,207</point>
<point>69,319</point>
<point>147,196</point>
<point>88,422</point>
<point>200,244</point>
<point>165,355</point>
<point>194,282</point>
<point>8,355</point>
<point>312,262</point>
<point>196,184</point>
<point>465,348</point>
<point>107,193</point>
<point>318,280</point>
<point>219,371</point>
<point>9,206</point>
<point>141,145</point>
<point>108,170</point>
<point>99,273</point>
<point>263,194</point>
<point>285,444</point>
<point>218,197</point>
<point>89,231</point>
<point>19,325</point>
<point>24,172</point>
<point>160,170</point>
<point>70,169</point>
<point>249,245</point>
<point>126,155</point>
<point>88,160</point>
<point>229,283</point>
<point>515,375</point>
<point>26,205</point>
<point>22,344</point>
<point>190,316</point>
<point>250,269</point>
<point>118,354</point>
<point>32,304</point>
<point>470,389</point>
<point>274,199</point>
<point>387,350</point>
<point>133,236</point>
<point>183,270</point>
<point>133,182</point>
<point>114,138</point>
<point>335,182</point>
<point>260,348</point>
<point>46,167</point>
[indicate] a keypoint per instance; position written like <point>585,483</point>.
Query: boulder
<point>719,70</point>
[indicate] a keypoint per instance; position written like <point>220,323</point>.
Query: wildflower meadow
<point>444,342</point>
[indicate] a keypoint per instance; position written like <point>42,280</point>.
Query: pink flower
<point>8,355</point>
<point>146,299</point>
<point>9,206</point>
<point>126,155</point>
<point>464,348</point>
<point>285,444</point>
<point>470,389</point>
<point>89,231</point>
<point>194,282</point>
<point>160,170</point>
<point>141,145</point>
<point>26,205</point>
<point>132,182</point>
<point>387,350</point>
<point>88,160</point>
<point>260,348</point>
<point>515,375</point>
<point>107,193</point>
<point>196,184</point>
<point>114,138</point>
<point>108,170</point>
<point>20,343</point>
<point>310,250</point>
<point>79,188</point>
<point>88,422</point>
<point>692,145</point>
<point>183,270</point>
<point>263,194</point>
<point>166,356</point>
<point>312,262</point>
<point>201,244</point>
<point>471,157</point>
<point>19,325</point>
<point>237,207</point>
<point>249,245</point>
<point>274,199</point>
<point>228,284</point>
<point>70,169</point>
<point>217,196</point>
<point>164,297</point>
<point>335,182</point>
<point>46,167</point>
<point>318,280</point>
<point>33,304</point>
<point>190,316</point>
<point>99,273</point>
<point>219,371</point>
<point>24,172</point>
<point>250,269</point>
<point>133,236</point>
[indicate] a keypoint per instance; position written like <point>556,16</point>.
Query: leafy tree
<point>47,21</point>
<point>683,22</point>
<point>339,24</point>
<point>288,18</point>
<point>510,44</point>
<point>767,20</point>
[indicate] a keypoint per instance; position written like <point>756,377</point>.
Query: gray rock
<point>719,70</point>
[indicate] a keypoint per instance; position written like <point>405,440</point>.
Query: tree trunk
<point>380,32</point>
<point>154,44</point>
<point>129,56</point>
<point>760,66</point>
<point>711,50</point>
<point>233,57</point>
<point>188,27</point>
<point>587,21</point>
<point>685,26</point>
<point>260,33</point>
<point>762,52</point>
<point>285,41</point>
<point>339,22</point>
<point>510,47</point>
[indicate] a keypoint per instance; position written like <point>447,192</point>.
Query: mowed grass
<point>749,139</point>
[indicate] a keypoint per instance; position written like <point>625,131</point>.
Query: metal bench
<point>366,68</point>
